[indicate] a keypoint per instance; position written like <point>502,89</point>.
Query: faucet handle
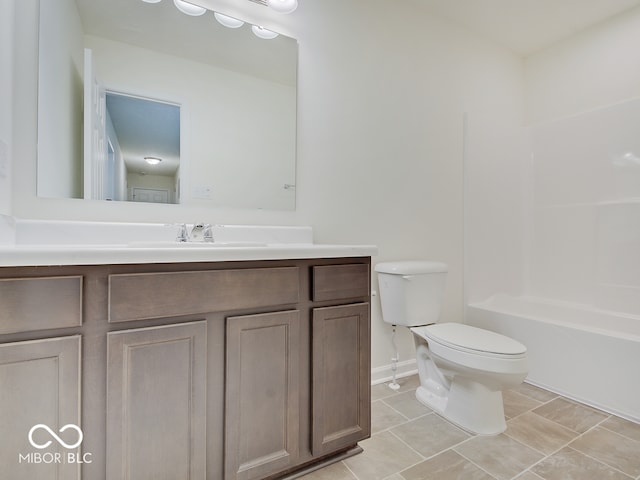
<point>208,233</point>
<point>183,235</point>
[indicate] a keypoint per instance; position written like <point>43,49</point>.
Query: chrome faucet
<point>201,232</point>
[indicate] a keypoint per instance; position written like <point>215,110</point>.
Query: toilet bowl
<point>462,369</point>
<point>462,376</point>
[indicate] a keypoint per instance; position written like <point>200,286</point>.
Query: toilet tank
<point>411,292</point>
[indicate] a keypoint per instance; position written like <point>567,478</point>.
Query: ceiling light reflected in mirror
<point>283,6</point>
<point>228,21</point>
<point>263,33</point>
<point>189,8</point>
<point>152,160</point>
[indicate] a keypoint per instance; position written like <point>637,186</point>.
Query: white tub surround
<point>583,353</point>
<point>34,242</point>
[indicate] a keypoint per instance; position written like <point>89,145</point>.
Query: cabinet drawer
<point>154,295</point>
<point>40,303</point>
<point>337,282</point>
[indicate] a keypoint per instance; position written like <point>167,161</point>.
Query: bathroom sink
<point>174,244</point>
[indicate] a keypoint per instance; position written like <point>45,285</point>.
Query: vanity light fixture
<point>189,8</point>
<point>283,6</point>
<point>228,21</point>
<point>152,160</point>
<point>263,32</point>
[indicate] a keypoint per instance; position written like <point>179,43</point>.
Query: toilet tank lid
<point>411,267</point>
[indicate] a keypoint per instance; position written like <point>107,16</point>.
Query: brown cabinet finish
<point>156,401</point>
<point>339,282</point>
<point>262,394</point>
<point>155,295</point>
<point>39,384</point>
<point>220,370</point>
<point>28,304</point>
<point>341,377</point>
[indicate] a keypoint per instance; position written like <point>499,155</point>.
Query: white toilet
<point>463,369</point>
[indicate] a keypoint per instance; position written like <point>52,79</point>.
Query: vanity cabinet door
<point>156,403</point>
<point>341,375</point>
<point>39,385</point>
<point>262,394</point>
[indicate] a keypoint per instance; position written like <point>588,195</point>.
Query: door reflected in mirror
<point>143,142</point>
<point>233,97</point>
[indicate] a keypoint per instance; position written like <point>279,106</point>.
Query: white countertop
<point>41,255</point>
<point>42,243</point>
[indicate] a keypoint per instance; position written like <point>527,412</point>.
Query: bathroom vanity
<point>213,368</point>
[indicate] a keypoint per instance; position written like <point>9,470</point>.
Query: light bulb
<point>189,8</point>
<point>283,6</point>
<point>263,32</point>
<point>228,21</point>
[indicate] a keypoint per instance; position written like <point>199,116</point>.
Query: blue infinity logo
<point>55,436</point>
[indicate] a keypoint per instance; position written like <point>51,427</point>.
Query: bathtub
<point>589,355</point>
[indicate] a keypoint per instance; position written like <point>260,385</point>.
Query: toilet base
<point>431,400</point>
<point>468,405</point>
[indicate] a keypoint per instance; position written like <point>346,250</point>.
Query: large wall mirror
<point>140,102</point>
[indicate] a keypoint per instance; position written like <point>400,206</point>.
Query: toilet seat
<point>473,340</point>
<point>474,348</point>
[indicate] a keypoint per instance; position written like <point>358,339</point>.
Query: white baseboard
<point>385,373</point>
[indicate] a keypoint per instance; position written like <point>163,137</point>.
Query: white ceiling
<point>526,26</point>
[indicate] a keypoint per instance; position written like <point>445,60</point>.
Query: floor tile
<point>516,403</point>
<point>548,437</point>
<point>534,392</point>
<point>622,427</point>
<point>615,450</point>
<point>430,434</point>
<point>407,404</point>
<point>409,383</point>
<point>337,471</point>
<point>380,391</point>
<point>446,466</point>
<point>384,417</point>
<point>384,454</point>
<point>539,433</point>
<point>501,456</point>
<point>569,464</point>
<point>528,476</point>
<point>572,415</point>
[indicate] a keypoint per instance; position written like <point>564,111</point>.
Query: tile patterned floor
<point>548,438</point>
